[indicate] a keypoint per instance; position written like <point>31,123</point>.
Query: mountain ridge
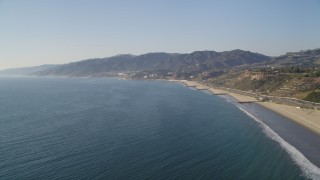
<point>26,70</point>
<point>194,61</point>
<point>197,60</point>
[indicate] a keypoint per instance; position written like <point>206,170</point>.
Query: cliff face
<point>254,81</point>
<point>270,83</point>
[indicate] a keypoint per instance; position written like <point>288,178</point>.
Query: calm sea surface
<point>91,128</point>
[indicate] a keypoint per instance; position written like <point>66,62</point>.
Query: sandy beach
<point>305,117</point>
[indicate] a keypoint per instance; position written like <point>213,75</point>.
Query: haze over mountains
<point>26,70</point>
<point>196,61</point>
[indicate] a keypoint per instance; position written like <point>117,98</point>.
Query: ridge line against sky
<point>36,32</point>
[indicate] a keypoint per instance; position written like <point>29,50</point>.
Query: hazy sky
<point>34,32</point>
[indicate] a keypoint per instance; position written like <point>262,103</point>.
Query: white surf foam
<point>308,168</point>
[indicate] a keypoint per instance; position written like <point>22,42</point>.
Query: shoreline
<point>307,118</point>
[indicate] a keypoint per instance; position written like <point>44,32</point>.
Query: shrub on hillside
<point>313,96</point>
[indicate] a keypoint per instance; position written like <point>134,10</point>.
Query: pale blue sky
<point>34,32</point>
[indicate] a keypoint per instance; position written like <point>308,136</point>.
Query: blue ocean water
<point>104,128</point>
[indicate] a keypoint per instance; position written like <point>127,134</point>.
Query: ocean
<point>105,128</point>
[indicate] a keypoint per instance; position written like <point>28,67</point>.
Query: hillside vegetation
<point>313,96</point>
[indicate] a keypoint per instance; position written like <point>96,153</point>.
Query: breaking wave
<point>309,169</point>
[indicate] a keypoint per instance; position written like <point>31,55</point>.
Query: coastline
<point>307,118</point>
